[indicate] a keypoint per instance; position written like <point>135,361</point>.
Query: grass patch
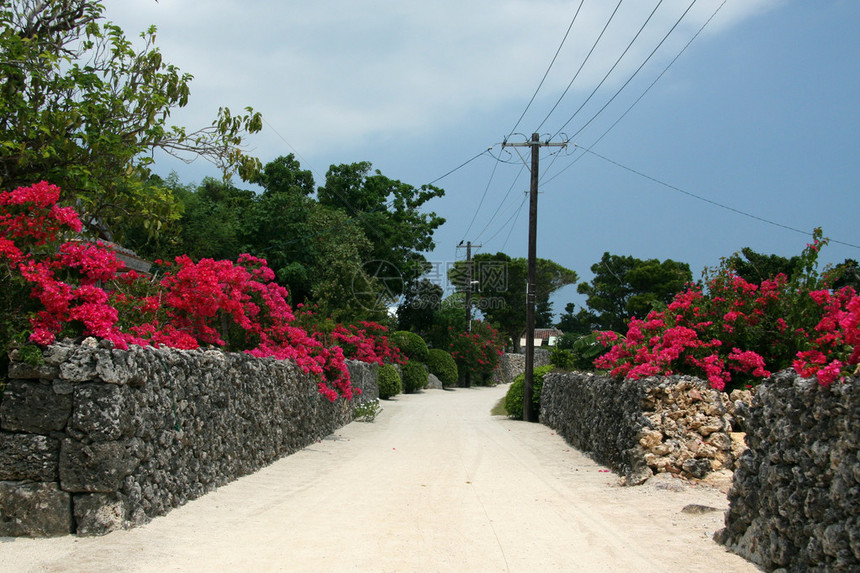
<point>499,409</point>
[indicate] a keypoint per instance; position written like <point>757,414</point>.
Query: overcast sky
<point>747,138</point>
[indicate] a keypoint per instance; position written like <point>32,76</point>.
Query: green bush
<point>514,397</point>
<point>561,358</point>
<point>443,366</point>
<point>388,381</point>
<point>410,344</point>
<point>414,376</point>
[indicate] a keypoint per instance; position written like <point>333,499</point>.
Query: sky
<point>693,128</point>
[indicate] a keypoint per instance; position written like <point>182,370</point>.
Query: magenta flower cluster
<point>742,331</point>
<point>81,289</point>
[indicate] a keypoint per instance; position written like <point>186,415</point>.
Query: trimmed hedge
<point>514,397</point>
<point>443,366</point>
<point>415,376</point>
<point>410,344</point>
<point>389,381</point>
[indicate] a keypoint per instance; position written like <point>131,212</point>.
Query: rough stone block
<point>33,407</point>
<point>98,413</point>
<point>96,468</point>
<point>23,371</point>
<point>34,510</point>
<point>28,457</point>
<point>79,367</point>
<point>98,513</point>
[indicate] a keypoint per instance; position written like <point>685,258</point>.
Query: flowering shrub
<point>738,332</point>
<point>233,305</point>
<point>477,352</point>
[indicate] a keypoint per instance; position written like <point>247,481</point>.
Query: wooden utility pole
<point>529,415</point>
<point>469,245</point>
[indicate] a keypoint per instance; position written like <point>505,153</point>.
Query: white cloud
<point>363,69</point>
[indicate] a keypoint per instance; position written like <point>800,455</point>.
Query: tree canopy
<point>83,107</point>
<point>624,287</point>
<point>500,292</point>
<point>389,212</point>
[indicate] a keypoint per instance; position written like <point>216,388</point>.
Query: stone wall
<point>795,501</point>
<point>512,365</point>
<point>98,439</point>
<point>641,427</point>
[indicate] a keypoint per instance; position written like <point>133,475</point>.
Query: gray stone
<point>97,467</point>
<point>28,457</point>
<point>433,382</point>
<point>698,468</point>
<point>98,414</point>
<point>23,371</point>
<point>33,407</point>
<point>80,366</point>
<point>795,498</point>
<point>34,510</point>
<point>98,513</point>
<point>56,354</point>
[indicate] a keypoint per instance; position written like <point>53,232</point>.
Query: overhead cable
<point>576,75</point>
<point>700,198</point>
<point>534,95</point>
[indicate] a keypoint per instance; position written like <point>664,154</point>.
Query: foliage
<point>755,267</point>
<point>389,213</point>
<point>501,289</point>
<point>82,107</point>
<point>514,397</point>
<point>411,345</point>
<point>448,321</point>
<point>415,377</point>
<point>389,381</point>
<point>234,305</point>
<point>477,353</point>
<point>367,411</point>
<point>625,287</point>
<point>585,350</point>
<point>737,332</point>
<point>577,323</point>
<point>443,366</point>
<point>421,302</point>
<point>561,358</point>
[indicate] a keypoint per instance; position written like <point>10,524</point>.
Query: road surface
<point>436,483</point>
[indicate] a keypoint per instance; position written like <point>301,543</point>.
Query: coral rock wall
<point>98,439</point>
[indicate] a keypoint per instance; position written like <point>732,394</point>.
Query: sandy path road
<point>434,484</point>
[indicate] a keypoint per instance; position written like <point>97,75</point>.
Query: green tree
<point>449,320</point>
<point>83,108</point>
<point>577,322</point>
<point>846,273</point>
<point>501,289</point>
<point>420,305</point>
<point>280,227</point>
<point>624,286</point>
<point>755,267</point>
<point>389,212</point>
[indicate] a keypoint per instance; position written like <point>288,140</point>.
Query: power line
<point>502,202</point>
<point>617,61</point>
<point>483,196</point>
<point>644,93</point>
<point>299,155</point>
<point>534,95</point>
<point>700,198</point>
<point>642,65</point>
<point>462,165</point>
<point>576,75</point>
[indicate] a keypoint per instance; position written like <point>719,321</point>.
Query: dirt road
<point>434,484</point>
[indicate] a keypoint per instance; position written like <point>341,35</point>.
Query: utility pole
<point>468,294</point>
<point>535,144</point>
